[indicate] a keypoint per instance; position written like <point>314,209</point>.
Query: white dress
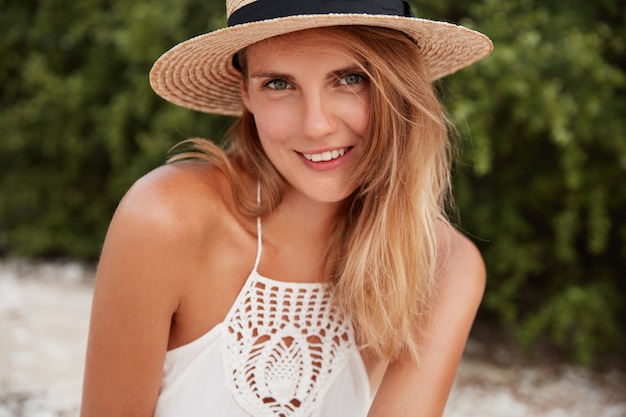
<point>283,350</point>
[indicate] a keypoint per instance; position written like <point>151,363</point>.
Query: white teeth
<point>325,156</point>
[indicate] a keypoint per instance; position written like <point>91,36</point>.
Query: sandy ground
<point>44,313</point>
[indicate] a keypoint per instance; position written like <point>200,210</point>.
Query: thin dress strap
<point>258,229</point>
<point>285,343</point>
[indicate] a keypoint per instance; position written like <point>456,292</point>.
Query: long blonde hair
<point>383,252</point>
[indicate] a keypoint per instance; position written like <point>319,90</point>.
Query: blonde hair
<point>382,255</point>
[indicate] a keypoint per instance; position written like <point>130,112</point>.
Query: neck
<point>296,236</point>
<point>310,218</point>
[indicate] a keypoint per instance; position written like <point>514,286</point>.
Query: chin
<point>323,196</point>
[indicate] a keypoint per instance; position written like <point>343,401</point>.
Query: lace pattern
<point>285,343</point>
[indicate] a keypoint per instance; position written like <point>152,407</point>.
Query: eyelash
<point>341,78</point>
<point>271,84</point>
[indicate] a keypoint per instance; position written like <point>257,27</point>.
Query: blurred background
<point>542,125</point>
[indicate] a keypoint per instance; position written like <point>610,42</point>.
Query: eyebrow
<point>271,75</point>
<point>287,77</point>
<point>348,70</point>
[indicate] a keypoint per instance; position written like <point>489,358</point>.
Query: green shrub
<point>541,188</point>
<point>80,122</point>
<point>542,124</point>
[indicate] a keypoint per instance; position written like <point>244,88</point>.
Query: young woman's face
<point>310,103</point>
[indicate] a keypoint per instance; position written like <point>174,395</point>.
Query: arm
<point>136,293</point>
<point>409,389</point>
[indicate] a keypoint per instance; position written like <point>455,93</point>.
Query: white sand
<point>44,314</point>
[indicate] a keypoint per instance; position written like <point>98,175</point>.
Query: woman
<point>308,269</point>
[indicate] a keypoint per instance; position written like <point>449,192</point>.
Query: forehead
<point>318,41</point>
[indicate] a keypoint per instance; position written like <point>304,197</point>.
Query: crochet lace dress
<point>283,350</point>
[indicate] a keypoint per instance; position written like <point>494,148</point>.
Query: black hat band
<point>271,9</point>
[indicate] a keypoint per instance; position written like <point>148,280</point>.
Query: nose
<point>319,116</point>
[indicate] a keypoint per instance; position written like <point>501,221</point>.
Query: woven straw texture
<point>198,73</point>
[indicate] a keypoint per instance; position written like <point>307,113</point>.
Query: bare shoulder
<point>460,284</point>
<point>173,196</point>
<point>160,230</point>
<point>153,242</point>
<point>161,225</point>
<point>461,263</point>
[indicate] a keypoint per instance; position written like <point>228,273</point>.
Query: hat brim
<point>198,73</point>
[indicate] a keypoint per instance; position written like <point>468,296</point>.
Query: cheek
<point>355,111</point>
<point>274,125</point>
<point>364,119</point>
<point>358,117</point>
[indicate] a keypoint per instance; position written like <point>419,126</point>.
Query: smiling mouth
<point>325,156</point>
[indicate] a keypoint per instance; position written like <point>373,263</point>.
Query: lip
<point>326,165</point>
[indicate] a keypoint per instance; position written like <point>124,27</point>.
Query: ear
<point>245,96</point>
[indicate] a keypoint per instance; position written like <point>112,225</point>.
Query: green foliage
<point>543,128</point>
<point>577,319</point>
<point>541,120</point>
<point>80,120</point>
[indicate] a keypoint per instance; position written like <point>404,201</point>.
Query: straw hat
<point>199,74</point>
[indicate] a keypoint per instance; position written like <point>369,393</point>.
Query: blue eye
<point>351,79</point>
<point>277,84</point>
